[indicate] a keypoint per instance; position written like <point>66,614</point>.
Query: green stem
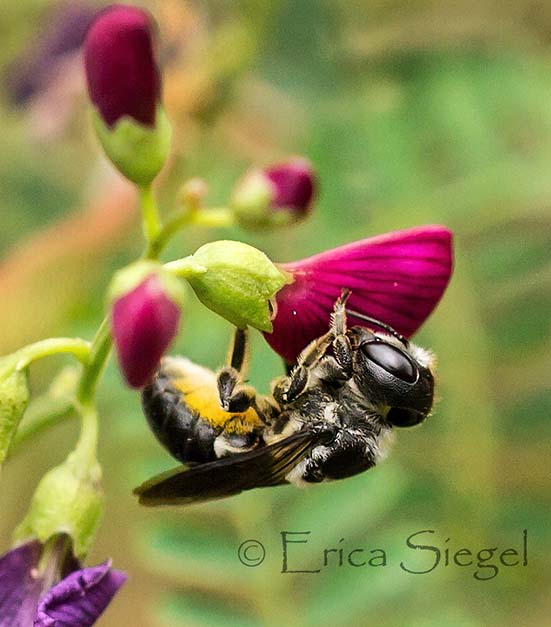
<point>53,346</point>
<point>99,352</point>
<point>214,217</point>
<point>151,220</point>
<point>209,218</point>
<point>172,226</point>
<point>86,448</point>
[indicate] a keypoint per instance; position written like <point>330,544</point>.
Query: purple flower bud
<point>144,322</point>
<point>397,278</point>
<point>274,196</point>
<point>121,69</point>
<point>293,186</point>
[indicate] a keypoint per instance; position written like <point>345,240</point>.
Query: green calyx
<point>251,204</point>
<point>238,284</point>
<point>68,500</point>
<point>14,398</point>
<point>127,279</point>
<point>251,200</point>
<point>137,151</point>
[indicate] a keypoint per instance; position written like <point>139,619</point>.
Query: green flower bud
<point>238,284</point>
<point>137,151</point>
<point>68,500</point>
<point>14,398</point>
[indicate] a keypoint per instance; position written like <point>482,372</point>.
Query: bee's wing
<point>266,466</point>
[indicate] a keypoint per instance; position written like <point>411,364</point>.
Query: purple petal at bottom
<point>19,588</point>
<point>397,278</point>
<point>80,598</point>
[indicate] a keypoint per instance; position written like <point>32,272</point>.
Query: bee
<point>331,417</point>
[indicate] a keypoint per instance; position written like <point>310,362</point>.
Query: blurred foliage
<point>412,112</point>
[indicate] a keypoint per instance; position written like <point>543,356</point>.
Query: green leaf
<point>14,398</point>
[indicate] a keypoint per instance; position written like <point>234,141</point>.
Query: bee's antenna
<point>382,325</point>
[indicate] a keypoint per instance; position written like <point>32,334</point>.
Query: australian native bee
<point>331,417</point>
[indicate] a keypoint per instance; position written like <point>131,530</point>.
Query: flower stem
<point>53,346</point>
<point>86,448</point>
<point>214,217</point>
<point>99,352</point>
<point>174,223</point>
<point>151,220</point>
<point>209,218</point>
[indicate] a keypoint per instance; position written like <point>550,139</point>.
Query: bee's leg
<point>288,388</point>
<point>234,396</point>
<point>342,349</point>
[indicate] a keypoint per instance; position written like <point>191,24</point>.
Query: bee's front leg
<point>342,348</point>
<point>288,388</point>
<point>234,395</point>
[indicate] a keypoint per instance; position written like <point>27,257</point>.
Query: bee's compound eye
<point>399,417</point>
<point>391,359</point>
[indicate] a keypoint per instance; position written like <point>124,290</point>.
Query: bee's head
<point>395,375</point>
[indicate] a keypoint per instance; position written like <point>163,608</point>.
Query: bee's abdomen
<point>178,427</point>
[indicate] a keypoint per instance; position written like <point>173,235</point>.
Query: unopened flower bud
<point>124,85</point>
<point>14,398</point>
<point>274,196</point>
<point>144,320</point>
<point>68,500</point>
<point>239,283</point>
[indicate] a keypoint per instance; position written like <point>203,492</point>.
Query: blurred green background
<point>412,112</point>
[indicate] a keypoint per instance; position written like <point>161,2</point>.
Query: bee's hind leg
<point>234,395</point>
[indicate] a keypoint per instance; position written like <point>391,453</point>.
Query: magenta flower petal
<point>397,278</point>
<point>80,598</point>
<point>144,323</point>
<point>19,589</point>
<point>294,185</point>
<point>121,69</point>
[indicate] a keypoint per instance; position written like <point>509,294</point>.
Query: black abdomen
<point>178,427</point>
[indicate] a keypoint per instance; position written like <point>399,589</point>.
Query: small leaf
<point>14,398</point>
